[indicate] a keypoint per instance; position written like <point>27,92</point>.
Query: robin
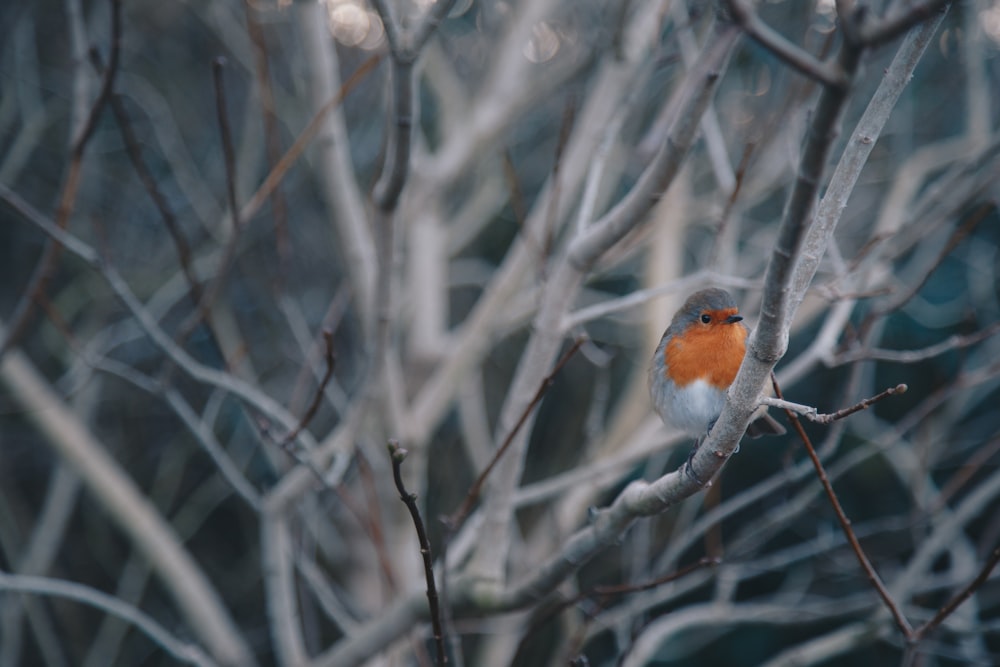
<point>696,361</point>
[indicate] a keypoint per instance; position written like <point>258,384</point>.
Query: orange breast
<point>710,353</point>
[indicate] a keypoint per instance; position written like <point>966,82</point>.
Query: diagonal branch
<point>845,524</point>
<point>40,277</point>
<point>959,598</point>
<point>318,396</point>
<point>456,519</point>
<point>793,56</point>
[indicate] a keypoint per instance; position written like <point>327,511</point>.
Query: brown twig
<point>272,141</point>
<point>134,152</point>
<point>966,228</point>
<point>741,172</point>
<point>959,598</point>
<point>973,465</point>
<point>277,173</point>
<point>366,515</point>
<point>455,520</point>
<point>552,208</point>
<point>226,136</point>
<point>861,405</point>
<point>21,316</point>
<point>517,205</point>
<point>374,522</point>
<point>229,164</point>
<point>513,189</point>
<point>820,418</point>
<point>331,363</point>
<point>620,589</point>
<point>845,523</point>
<point>398,455</point>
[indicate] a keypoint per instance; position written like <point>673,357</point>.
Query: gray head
<point>712,302</point>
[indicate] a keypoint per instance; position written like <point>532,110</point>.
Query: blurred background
<point>532,119</point>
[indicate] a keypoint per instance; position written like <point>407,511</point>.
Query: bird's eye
<point>706,318</point>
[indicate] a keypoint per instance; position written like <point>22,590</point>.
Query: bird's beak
<point>733,319</point>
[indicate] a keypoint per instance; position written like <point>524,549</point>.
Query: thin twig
<point>727,212</point>
<point>959,598</point>
<point>331,363</point>
<point>620,589</point>
<point>226,136</point>
<point>398,455</point>
<point>277,173</point>
<point>202,313</point>
<point>374,523</point>
<point>813,415</point>
<point>967,471</point>
<point>912,356</point>
<point>134,152</point>
<point>552,208</point>
<point>366,514</point>
<point>272,141</point>
<point>21,316</point>
<point>862,405</point>
<point>455,520</point>
<point>956,237</point>
<point>148,323</point>
<point>604,592</point>
<point>845,523</point>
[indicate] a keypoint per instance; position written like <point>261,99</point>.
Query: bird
<point>695,363</point>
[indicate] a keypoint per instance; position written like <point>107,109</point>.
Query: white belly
<point>692,408</point>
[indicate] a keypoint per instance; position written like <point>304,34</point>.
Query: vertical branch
<point>279,582</point>
<point>776,304</point>
<point>396,164</point>
<point>398,455</point>
<point>142,170</point>
<point>226,137</point>
<point>791,269</point>
<point>344,202</point>
<point>272,142</point>
<point>203,312</point>
<point>40,277</point>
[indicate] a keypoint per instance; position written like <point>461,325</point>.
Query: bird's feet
<point>689,468</point>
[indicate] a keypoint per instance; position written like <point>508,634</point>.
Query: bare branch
<point>70,590</point>
<point>875,32</point>
<point>21,317</point>
<point>318,396</point>
<point>279,170</point>
<point>960,597</point>
<point>813,415</point>
<point>454,522</point>
<point>845,525</point>
<point>955,342</point>
<point>130,509</point>
<point>398,455</point>
<point>148,323</point>
<point>794,56</point>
